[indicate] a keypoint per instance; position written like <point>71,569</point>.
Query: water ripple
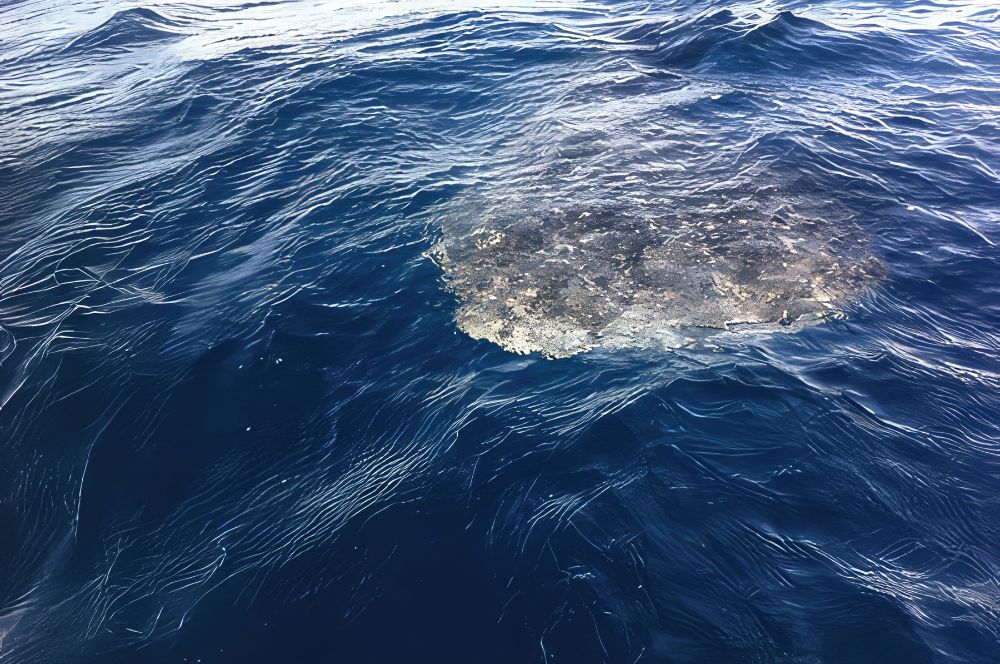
<point>239,422</point>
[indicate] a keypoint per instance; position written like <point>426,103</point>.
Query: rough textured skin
<point>562,281</point>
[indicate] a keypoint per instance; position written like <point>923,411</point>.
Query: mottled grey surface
<point>559,281</point>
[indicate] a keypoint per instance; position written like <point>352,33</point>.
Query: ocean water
<point>238,422</point>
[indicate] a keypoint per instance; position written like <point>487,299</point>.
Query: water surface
<point>238,419</point>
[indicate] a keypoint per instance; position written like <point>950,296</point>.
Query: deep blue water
<point>237,421</point>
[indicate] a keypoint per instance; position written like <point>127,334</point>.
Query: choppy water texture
<point>262,267</point>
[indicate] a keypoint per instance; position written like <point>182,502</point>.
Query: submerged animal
<point>563,280</point>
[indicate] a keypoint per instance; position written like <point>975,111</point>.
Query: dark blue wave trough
<point>238,423</point>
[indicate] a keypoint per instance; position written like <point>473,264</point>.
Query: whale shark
<point>561,280</point>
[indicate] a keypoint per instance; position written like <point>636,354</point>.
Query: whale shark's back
<point>559,281</point>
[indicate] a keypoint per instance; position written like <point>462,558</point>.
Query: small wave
<point>724,42</point>
<point>127,28</point>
